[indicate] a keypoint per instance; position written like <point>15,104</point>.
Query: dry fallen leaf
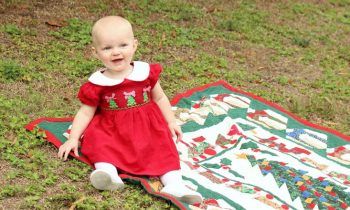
<point>74,205</point>
<point>56,22</point>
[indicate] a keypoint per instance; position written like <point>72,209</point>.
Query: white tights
<point>171,177</point>
<point>171,180</point>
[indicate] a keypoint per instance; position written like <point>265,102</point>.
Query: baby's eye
<point>124,45</point>
<point>106,48</point>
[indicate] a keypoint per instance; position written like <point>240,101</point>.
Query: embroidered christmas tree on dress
<point>110,100</point>
<point>145,93</point>
<point>130,97</point>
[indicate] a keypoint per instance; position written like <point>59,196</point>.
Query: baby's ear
<point>94,52</point>
<point>136,43</point>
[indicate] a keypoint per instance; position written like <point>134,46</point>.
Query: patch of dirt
<point>36,14</point>
<point>15,202</point>
<point>9,202</point>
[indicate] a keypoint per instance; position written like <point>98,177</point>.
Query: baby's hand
<point>65,149</point>
<point>175,131</point>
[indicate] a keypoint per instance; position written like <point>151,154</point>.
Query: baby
<point>125,117</point>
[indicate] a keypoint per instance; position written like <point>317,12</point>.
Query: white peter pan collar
<point>139,73</point>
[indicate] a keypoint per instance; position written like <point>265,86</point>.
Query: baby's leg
<point>106,177</point>
<point>174,186</point>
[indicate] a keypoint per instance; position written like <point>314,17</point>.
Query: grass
<point>294,53</point>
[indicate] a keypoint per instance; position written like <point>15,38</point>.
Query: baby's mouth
<point>117,60</point>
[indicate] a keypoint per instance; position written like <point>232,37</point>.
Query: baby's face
<point>115,46</point>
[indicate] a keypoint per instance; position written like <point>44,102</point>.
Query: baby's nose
<point>116,51</point>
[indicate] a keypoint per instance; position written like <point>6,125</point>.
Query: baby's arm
<point>162,101</point>
<point>80,122</point>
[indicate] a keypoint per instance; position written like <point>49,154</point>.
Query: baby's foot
<point>182,193</point>
<point>102,180</point>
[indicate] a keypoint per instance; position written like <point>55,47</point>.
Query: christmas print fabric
<point>240,152</point>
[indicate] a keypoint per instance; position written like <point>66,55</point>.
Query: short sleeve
<point>88,94</point>
<point>155,70</point>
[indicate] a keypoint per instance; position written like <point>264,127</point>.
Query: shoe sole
<point>189,198</point>
<point>102,181</point>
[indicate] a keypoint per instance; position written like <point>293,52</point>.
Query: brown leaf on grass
<point>160,46</point>
<point>56,22</point>
<point>29,154</point>
<point>82,9</point>
<point>66,99</point>
<point>74,205</point>
<point>186,78</point>
<point>259,81</point>
<point>212,9</point>
<point>211,75</point>
<point>133,6</point>
<point>261,68</point>
<point>11,136</point>
<point>173,34</point>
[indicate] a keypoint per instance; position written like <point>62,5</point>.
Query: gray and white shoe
<point>182,193</point>
<point>102,180</point>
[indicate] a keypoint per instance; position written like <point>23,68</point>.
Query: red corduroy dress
<point>128,129</point>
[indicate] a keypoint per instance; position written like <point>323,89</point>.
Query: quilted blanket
<point>243,152</point>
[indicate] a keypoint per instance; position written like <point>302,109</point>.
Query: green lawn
<point>294,53</point>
